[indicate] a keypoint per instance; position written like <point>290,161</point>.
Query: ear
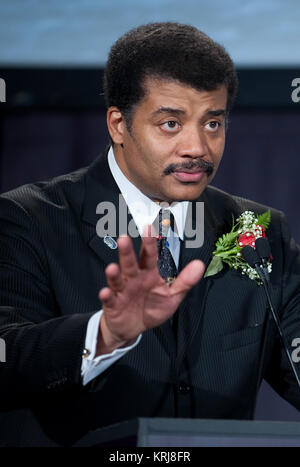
<point>115,124</point>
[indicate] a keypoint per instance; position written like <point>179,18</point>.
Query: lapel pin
<point>109,241</point>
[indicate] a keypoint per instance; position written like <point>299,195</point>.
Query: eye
<point>171,125</point>
<point>214,125</point>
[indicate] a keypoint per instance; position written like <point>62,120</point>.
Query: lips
<point>186,175</point>
<point>188,171</point>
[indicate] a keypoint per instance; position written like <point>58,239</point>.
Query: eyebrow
<point>171,110</point>
<point>215,113</point>
<point>167,110</point>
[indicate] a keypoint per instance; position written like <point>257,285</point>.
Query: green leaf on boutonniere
<point>244,231</point>
<point>264,219</point>
<point>215,266</point>
<point>226,241</point>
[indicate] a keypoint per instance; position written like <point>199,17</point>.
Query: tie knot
<point>165,221</point>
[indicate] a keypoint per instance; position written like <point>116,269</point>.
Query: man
<point>96,334</point>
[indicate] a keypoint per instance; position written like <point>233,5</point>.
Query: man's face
<point>176,140</point>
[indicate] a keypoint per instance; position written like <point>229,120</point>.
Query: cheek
<point>217,149</point>
<point>153,168</point>
<point>154,158</point>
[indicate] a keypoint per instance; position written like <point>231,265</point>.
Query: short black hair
<point>165,50</point>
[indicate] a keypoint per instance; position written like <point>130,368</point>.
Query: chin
<point>184,195</point>
<point>188,193</point>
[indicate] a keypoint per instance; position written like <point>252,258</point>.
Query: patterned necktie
<point>166,264</point>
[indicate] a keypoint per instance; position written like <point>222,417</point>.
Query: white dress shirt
<point>144,211</point>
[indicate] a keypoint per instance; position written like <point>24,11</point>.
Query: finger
<point>127,257</point>
<point>107,297</point>
<point>187,278</point>
<point>114,278</point>
<point>148,253</point>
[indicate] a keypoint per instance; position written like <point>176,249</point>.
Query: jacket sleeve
<point>43,348</point>
<point>280,374</point>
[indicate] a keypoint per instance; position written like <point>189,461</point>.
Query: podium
<point>174,432</point>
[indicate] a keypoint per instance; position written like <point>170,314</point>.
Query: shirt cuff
<point>92,366</point>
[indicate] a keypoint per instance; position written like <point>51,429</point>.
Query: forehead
<point>174,94</point>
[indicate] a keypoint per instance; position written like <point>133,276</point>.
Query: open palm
<point>136,297</point>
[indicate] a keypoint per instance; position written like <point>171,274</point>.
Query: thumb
<point>188,277</point>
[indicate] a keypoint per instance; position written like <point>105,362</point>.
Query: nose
<point>194,143</point>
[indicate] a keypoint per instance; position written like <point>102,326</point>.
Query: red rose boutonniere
<point>245,230</point>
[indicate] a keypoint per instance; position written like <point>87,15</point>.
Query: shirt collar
<point>143,210</point>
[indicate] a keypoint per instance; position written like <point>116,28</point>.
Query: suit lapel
<point>191,310</point>
<point>102,188</point>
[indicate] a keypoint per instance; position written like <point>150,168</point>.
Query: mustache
<point>198,165</point>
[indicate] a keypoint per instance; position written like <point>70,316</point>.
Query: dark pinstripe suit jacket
<point>51,269</point>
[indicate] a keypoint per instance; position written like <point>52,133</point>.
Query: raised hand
<point>136,297</point>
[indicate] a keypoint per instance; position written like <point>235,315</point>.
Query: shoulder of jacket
<point>238,204</point>
<point>55,193</point>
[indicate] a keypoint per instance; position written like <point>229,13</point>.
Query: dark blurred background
<point>52,113</point>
